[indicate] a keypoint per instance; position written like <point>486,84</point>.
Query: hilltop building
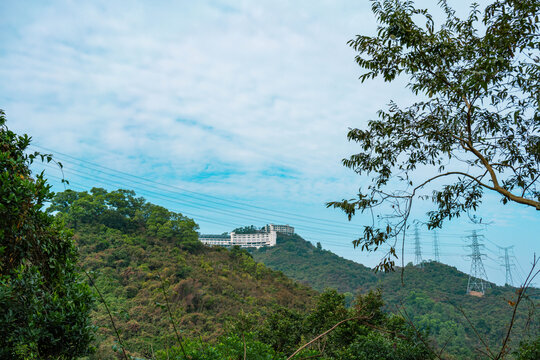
<point>219,240</point>
<point>267,236</point>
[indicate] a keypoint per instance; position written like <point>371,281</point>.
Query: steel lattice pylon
<point>477,276</point>
<point>417,248</point>
<point>507,265</point>
<point>436,247</point>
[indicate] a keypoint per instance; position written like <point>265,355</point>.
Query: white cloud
<point>176,91</point>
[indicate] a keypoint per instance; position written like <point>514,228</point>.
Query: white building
<point>220,240</point>
<point>256,240</point>
<point>284,229</point>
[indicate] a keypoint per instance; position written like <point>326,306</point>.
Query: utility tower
<point>436,246</point>
<point>507,265</point>
<point>417,248</point>
<point>477,283</point>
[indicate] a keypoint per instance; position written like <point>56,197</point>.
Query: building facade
<point>284,229</point>
<point>267,236</point>
<point>219,240</point>
<point>256,240</point>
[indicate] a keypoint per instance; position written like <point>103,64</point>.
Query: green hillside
<point>432,296</point>
<point>127,244</point>
<point>321,269</point>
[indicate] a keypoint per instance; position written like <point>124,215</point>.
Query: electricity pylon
<point>436,246</point>
<point>477,276</point>
<point>417,248</point>
<point>507,265</point>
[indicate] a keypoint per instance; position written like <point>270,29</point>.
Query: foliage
<point>219,297</point>
<point>366,332</point>
<point>362,335</point>
<point>44,304</point>
<point>121,210</point>
<point>247,230</point>
<point>282,329</point>
<point>529,350</point>
<point>475,126</point>
<point>228,347</point>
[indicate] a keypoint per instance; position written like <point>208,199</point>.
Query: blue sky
<point>244,105</point>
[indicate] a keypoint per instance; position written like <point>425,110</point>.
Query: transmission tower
<point>417,248</point>
<point>507,265</point>
<point>477,277</point>
<point>436,246</point>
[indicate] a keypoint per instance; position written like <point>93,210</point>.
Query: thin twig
<point>245,348</point>
<point>108,312</point>
<point>178,336</point>
<point>521,294</point>
<point>323,334</point>
<point>418,334</point>
<point>489,353</point>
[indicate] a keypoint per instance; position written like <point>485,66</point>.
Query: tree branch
<point>521,294</point>
<point>321,335</point>
<point>497,187</point>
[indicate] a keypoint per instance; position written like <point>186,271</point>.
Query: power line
<point>204,207</point>
<point>211,204</point>
<point>219,200</point>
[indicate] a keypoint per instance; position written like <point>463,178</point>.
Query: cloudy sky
<point>232,112</point>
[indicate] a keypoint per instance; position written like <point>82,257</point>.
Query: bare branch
<point>489,353</point>
<point>321,335</point>
<point>405,315</point>
<point>521,294</point>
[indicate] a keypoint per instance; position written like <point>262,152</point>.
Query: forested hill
<point>128,244</point>
<point>319,268</point>
<point>433,296</point>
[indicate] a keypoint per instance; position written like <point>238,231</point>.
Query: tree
<point>251,229</point>
<point>44,303</point>
<point>474,127</point>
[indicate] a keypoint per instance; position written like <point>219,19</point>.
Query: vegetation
<point>432,297</point>
<point>165,289</point>
<point>247,230</point>
<point>477,81</point>
<point>128,244</point>
<point>321,269</point>
<point>362,332</point>
<point>44,304</point>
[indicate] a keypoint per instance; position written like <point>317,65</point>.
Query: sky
<point>230,112</point>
